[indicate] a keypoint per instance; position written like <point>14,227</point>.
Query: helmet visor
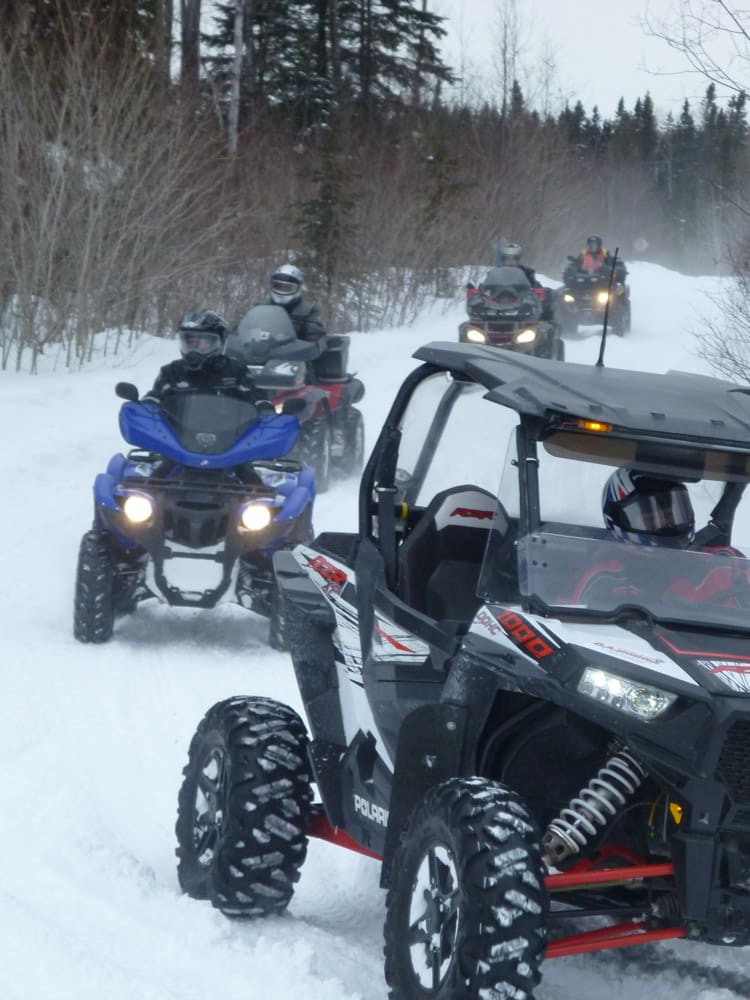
<point>200,341</point>
<point>594,244</point>
<point>668,512</point>
<point>283,286</point>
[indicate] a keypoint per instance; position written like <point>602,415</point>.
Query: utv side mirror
<point>126,390</point>
<point>293,406</point>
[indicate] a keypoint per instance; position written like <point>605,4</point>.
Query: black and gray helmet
<point>202,336</point>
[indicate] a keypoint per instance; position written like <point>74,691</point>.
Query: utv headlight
<point>138,508</point>
<point>602,298</point>
<point>255,516</point>
<point>567,297</point>
<point>279,407</point>
<point>633,698</point>
<point>525,337</point>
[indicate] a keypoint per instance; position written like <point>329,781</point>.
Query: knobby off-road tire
<point>94,603</point>
<point>314,449</point>
<point>466,912</point>
<point>353,459</point>
<point>244,807</point>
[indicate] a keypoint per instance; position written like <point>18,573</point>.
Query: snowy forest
<point>156,155</point>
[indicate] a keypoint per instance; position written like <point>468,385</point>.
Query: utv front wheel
<point>465,914</point>
<point>244,807</point>
<point>94,604</point>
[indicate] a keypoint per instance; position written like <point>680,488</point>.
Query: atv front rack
<point>620,935</point>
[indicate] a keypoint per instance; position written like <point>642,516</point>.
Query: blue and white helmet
<point>645,509</point>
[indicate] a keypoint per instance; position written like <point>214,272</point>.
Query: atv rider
<point>287,285</point>
<point>593,259</point>
<point>509,255</point>
<point>203,363</point>
<point>647,510</point>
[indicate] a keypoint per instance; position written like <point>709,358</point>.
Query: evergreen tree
<point>647,131</point>
<point>375,54</point>
<point>125,29</point>
<point>325,223</point>
<point>572,123</point>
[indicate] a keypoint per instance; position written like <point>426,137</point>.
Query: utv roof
<point>675,404</point>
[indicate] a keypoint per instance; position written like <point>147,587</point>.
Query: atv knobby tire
<point>466,911</point>
<point>94,602</point>
<point>353,458</point>
<point>314,449</point>
<point>244,807</point>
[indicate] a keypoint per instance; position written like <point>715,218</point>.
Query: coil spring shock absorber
<point>595,805</point>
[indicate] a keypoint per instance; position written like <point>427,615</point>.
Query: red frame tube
<point>614,936</point>
<point>628,873</point>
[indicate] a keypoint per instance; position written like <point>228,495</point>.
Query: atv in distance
<point>206,494</point>
<point>506,311</point>
<point>586,296</point>
<point>332,431</point>
<point>524,718</point>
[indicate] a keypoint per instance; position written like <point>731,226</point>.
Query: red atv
<point>332,430</point>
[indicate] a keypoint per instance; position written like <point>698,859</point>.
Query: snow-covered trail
<point>94,737</point>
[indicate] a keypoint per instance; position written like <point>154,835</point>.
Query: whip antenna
<point>600,362</point>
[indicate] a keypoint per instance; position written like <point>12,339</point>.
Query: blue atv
<point>203,495</point>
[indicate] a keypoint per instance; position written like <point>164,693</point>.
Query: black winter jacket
<point>306,319</point>
<point>222,373</point>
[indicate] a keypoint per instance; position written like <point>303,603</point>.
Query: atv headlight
<point>279,407</point>
<point>138,508</point>
<point>525,337</point>
<point>602,298</point>
<point>476,336</point>
<point>255,516</point>
<point>567,297</point>
<point>641,700</point>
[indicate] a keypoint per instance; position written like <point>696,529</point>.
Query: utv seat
<point>440,560</point>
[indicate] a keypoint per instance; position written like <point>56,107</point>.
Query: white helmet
<point>286,285</point>
<point>511,250</point>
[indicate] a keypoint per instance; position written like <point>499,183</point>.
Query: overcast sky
<point>600,50</point>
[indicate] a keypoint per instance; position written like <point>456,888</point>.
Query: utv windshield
<point>208,423</point>
<point>574,565</point>
<point>598,574</point>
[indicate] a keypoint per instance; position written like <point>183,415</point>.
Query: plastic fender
<point>116,467</point>
<point>307,480</point>
<point>271,437</point>
<point>104,486</point>
<point>294,505</point>
<point>142,425</point>
<point>317,404</point>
